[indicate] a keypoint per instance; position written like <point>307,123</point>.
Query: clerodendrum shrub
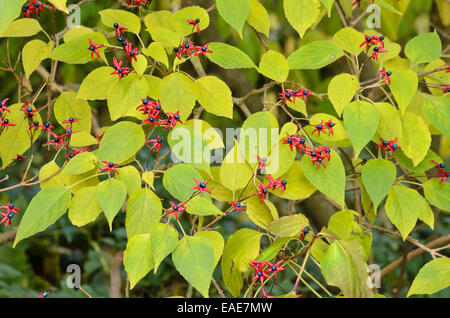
<point>345,121</point>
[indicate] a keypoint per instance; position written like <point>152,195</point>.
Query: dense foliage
<point>227,148</point>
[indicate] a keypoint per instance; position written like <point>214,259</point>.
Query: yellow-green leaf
<point>234,12</point>
<point>144,210</point>
<point>341,90</point>
<point>301,14</point>
<point>274,66</point>
<point>33,53</point>
<point>215,96</point>
<point>110,195</point>
<point>177,93</point>
<point>416,137</point>
<point>138,258</point>
<point>22,28</point>
<point>84,208</point>
<point>258,17</point>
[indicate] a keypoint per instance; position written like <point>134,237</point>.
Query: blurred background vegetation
<point>39,263</point>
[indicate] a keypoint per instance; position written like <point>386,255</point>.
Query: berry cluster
<point>262,269</point>
<point>322,126</point>
<point>374,40</point>
<point>389,144</point>
<point>8,211</point>
<point>387,76</point>
<point>189,48</point>
<point>138,3</point>
<point>44,294</point>
<point>292,94</point>
<point>317,155</point>
<point>440,172</point>
<point>153,110</point>
<point>34,125</point>
<point>32,8</point>
<point>4,122</point>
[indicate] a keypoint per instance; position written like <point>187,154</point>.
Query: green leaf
<point>161,28</point>
<point>229,57</point>
<point>121,142</point>
<point>216,241</point>
<point>416,138</point>
<point>259,132</point>
<point>390,125</point>
<point>121,17</point>
<point>138,258</point>
<point>315,55</point>
<point>241,247</point>
<point>177,92</point>
<point>33,53</point>
<point>274,66</point>
<point>361,122</point>
<point>348,255</point>
<point>144,210</point>
<point>194,260</point>
<point>76,50</point>
<point>301,14</point>
<point>140,65</point>
<point>432,277</point>
<point>298,187</point>
<point>404,84</point>
<point>404,206</point>
<point>68,105</point>
<point>179,179</point>
<point>81,163</point>
<point>148,177</point>
<point>46,207</point>
<point>110,195</point>
<point>165,36</point>
<point>179,19</point>
<point>189,145</point>
<point>210,134</point>
<point>75,32</point>
<point>288,226</point>
<point>130,176</point>
<point>341,90</point>
<point>234,12</point>
<point>60,5</point>
<point>16,140</point>
<point>215,96</point>
<point>21,28</point>
<point>437,193</point>
<point>259,18</point>
<point>10,10</point>
<point>272,250</point>
<point>378,176</point>
<point>423,166</point>
<point>96,85</point>
<point>328,4</point>
<point>348,39</point>
<point>125,95</point>
<point>84,208</point>
<point>344,226</point>
<point>424,48</point>
<point>234,171</point>
<point>82,139</point>
<point>261,213</point>
<point>156,50</point>
<point>330,180</point>
<point>164,240</point>
<point>202,206</point>
<point>437,110</point>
